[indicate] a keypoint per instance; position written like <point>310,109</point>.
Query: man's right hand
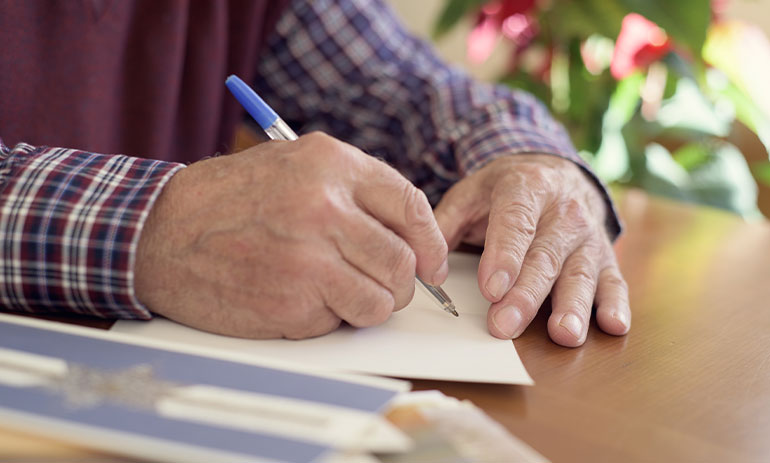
<point>286,239</point>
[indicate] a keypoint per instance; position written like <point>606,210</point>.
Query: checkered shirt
<point>70,220</point>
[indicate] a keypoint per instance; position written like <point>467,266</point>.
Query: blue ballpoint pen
<point>277,129</point>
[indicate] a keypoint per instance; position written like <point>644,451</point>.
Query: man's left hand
<point>541,221</point>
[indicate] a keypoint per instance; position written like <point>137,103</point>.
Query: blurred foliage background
<point>658,94</point>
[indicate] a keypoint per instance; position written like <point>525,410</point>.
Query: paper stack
<point>172,403</point>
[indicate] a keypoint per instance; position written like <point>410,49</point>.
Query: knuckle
<point>510,251</point>
<point>596,249</point>
<point>520,217</point>
<point>332,324</point>
<point>575,213</point>
<point>306,321</point>
<point>380,314</point>
<point>547,261</point>
<point>373,310</point>
<point>333,151</point>
<point>326,201</point>
<point>323,325</point>
<point>442,248</point>
<point>318,138</point>
<point>402,297</point>
<point>582,279</point>
<point>584,305</point>
<point>327,207</point>
<point>613,279</point>
<point>529,301</point>
<point>417,210</point>
<point>460,199</point>
<point>403,265</point>
<point>316,141</point>
<point>580,272</point>
<point>580,292</point>
<point>538,176</point>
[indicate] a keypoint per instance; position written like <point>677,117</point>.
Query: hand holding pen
<point>287,239</point>
<point>277,129</point>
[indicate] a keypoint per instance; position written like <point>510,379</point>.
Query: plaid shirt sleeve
<point>70,223</point>
<point>347,67</point>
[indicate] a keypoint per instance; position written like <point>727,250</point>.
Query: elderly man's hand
<point>541,221</point>
<point>287,239</point>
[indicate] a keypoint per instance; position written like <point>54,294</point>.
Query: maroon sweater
<point>138,77</point>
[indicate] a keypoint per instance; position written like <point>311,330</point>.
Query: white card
<point>421,341</point>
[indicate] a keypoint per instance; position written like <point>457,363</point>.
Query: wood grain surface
<point>689,383</point>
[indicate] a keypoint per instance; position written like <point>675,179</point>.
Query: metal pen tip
<point>440,297</point>
<point>451,309</point>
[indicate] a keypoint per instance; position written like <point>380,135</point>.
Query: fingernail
<point>497,285</point>
<point>622,318</point>
<point>441,274</point>
<point>509,322</point>
<point>573,324</point>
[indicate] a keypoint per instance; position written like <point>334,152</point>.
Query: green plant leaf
<point>583,18</point>
<point>624,101</point>
<point>722,180</point>
<point>747,111</point>
<point>689,109</point>
<point>691,156</point>
<point>453,12</point>
<point>679,66</point>
<point>661,166</point>
<point>612,161</point>
<point>686,21</point>
<point>725,181</point>
<point>589,96</point>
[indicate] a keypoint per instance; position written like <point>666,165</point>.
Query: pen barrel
<point>280,130</point>
<point>277,129</point>
<point>439,297</point>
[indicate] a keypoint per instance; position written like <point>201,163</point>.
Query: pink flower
<point>505,8</point>
<point>507,17</point>
<point>639,43</point>
<point>482,40</point>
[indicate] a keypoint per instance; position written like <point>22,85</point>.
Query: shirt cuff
<point>71,222</point>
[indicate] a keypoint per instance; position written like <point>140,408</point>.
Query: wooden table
<point>689,383</point>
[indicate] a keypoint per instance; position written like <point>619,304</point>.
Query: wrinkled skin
<point>287,239</point>
<point>541,222</point>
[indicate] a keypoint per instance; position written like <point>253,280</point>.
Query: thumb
<point>455,212</point>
